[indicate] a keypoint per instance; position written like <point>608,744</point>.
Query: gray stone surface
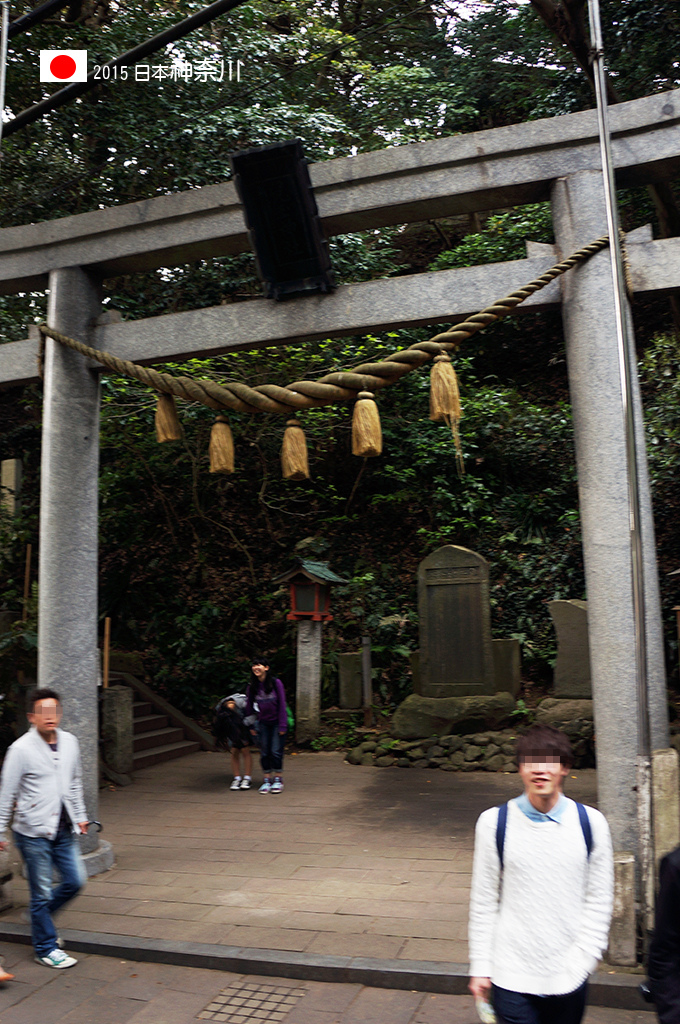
<point>557,711</point>
<point>492,169</point>
<point>507,666</point>
<point>572,668</point>
<point>308,691</point>
<point>68,658</point>
<point>423,716</point>
<point>350,680</point>
<point>595,387</point>
<point>455,624</point>
<point>117,728</point>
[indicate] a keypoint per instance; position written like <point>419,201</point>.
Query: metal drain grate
<point>247,1002</point>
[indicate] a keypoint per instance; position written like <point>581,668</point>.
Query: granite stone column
<point>68,658</point>
<point>595,386</point>
<point>308,692</point>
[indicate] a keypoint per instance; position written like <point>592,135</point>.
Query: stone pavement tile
<point>171,1008</point>
<point>135,893</point>
<point>604,1015</point>
<point>445,1009</point>
<point>340,924</point>
<point>141,877</point>
<point>380,1006</point>
<point>87,904</point>
<point>229,912</point>
<point>407,909</point>
<point>104,885</point>
<point>53,1001</point>
<point>103,968</point>
<point>301,1014</point>
<point>197,931</point>
<point>329,996</point>
<point>351,875</point>
<point>440,950</point>
<point>168,910</point>
<point>455,929</point>
<point>271,938</point>
<point>191,979</point>
<point>98,1010</point>
<point>115,924</point>
<point>382,946</point>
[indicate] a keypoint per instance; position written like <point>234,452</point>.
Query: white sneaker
<point>246,782</point>
<point>236,784</point>
<point>277,785</point>
<point>56,959</point>
<point>266,786</point>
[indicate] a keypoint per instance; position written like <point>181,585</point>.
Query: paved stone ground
<point>348,860</point>
<point>103,990</point>
<point>351,861</point>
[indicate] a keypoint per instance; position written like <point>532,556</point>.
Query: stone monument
<point>572,668</point>
<point>455,624</point>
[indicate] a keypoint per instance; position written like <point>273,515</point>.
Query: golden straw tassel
<point>168,426</point>
<point>221,447</point>
<point>444,393</point>
<point>294,461</point>
<point>366,431</point>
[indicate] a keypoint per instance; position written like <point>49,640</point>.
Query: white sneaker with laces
<point>236,784</point>
<point>266,786</point>
<point>246,782</point>
<point>57,958</point>
<point>277,785</point>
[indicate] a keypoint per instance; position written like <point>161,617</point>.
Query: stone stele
<point>455,624</point>
<point>572,668</point>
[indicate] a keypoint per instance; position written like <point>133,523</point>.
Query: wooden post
<point>366,677</point>
<point>107,644</point>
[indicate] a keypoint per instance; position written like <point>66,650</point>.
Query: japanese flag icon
<point>63,65</point>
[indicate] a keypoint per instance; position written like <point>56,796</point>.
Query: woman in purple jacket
<point>267,700</point>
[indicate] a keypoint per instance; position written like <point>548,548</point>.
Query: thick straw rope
<point>340,386</point>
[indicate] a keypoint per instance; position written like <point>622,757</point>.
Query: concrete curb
<point>615,991</point>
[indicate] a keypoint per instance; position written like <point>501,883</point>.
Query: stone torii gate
<point>556,159</point>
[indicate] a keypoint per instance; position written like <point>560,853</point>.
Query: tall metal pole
<point>4,36</point>
<point>627,364</point>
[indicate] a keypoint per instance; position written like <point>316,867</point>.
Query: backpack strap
<point>503,821</point>
<point>585,827</point>
<point>500,831</point>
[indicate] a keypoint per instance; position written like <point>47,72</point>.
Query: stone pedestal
<point>308,691</point>
<point>117,734</point>
<point>507,666</point>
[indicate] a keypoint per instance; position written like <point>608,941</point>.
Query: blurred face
<point>259,670</point>
<point>46,716</point>
<point>543,776</point>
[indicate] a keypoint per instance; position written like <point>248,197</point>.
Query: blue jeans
<point>41,857</point>
<point>520,1008</point>
<point>271,746</point>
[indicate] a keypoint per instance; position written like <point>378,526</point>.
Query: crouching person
<point>542,893</point>
<point>41,783</point>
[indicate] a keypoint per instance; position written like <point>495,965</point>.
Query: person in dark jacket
<point>664,948</point>
<point>267,699</point>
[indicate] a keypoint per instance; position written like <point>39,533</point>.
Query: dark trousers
<point>271,746</point>
<point>520,1008</point>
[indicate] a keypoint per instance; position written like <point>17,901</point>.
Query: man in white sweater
<point>41,787</point>
<point>542,893</point>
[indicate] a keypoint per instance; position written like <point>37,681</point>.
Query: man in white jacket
<point>542,893</point>
<point>41,787</point>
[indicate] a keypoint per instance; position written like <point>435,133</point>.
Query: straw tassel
<point>445,401</point>
<point>168,426</point>
<point>294,461</point>
<point>444,393</point>
<point>221,447</point>
<point>366,431</point>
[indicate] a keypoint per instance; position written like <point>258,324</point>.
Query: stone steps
<point>154,739</point>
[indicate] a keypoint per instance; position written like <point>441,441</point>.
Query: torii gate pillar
<point>594,382</point>
<point>67,612</point>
